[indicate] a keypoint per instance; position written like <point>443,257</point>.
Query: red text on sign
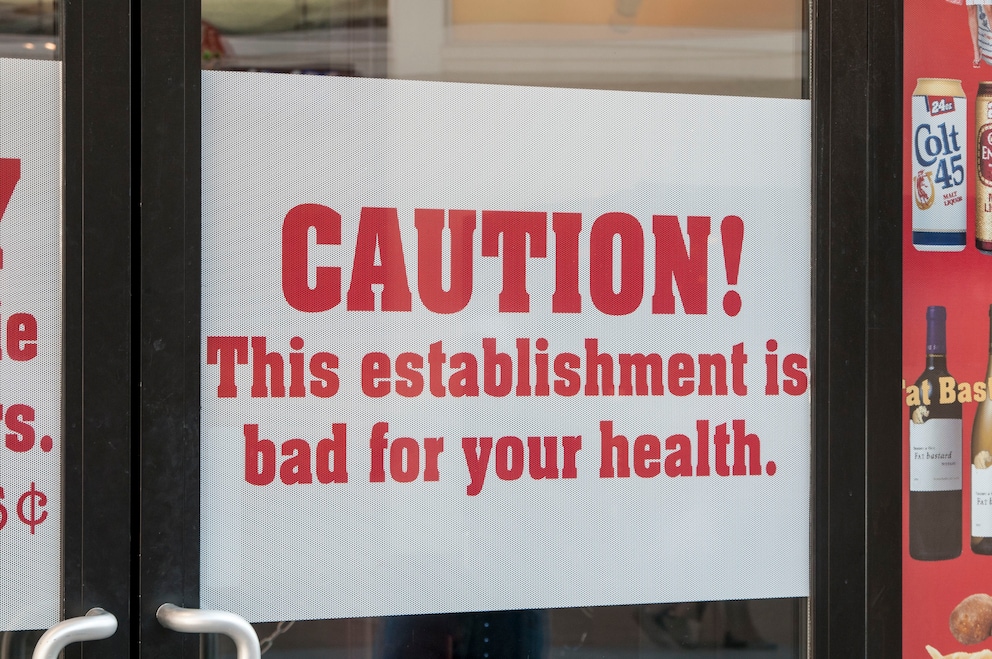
<point>404,457</point>
<point>315,375</point>
<point>530,370</point>
<point>18,420</point>
<point>10,174</point>
<point>30,507</point>
<point>736,454</point>
<point>20,337</point>
<point>298,462</point>
<point>509,458</point>
<point>514,237</point>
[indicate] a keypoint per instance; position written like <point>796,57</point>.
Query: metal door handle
<point>201,621</point>
<point>95,625</point>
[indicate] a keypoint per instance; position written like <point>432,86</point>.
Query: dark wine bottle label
<point>935,455</point>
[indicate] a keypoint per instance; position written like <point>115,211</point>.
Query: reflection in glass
<point>29,29</point>
<point>18,645</point>
<point>488,635</point>
<point>698,46</point>
<point>756,629</point>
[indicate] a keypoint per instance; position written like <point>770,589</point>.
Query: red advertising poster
<point>947,280</point>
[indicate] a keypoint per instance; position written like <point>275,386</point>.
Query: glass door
<point>328,216</point>
<point>332,515</point>
<point>65,216</point>
<point>444,329</point>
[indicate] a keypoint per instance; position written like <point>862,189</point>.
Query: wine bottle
<point>935,452</point>
<point>983,178</point>
<point>981,461</point>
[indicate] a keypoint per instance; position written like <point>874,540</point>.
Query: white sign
<point>30,344</point>
<point>474,347</point>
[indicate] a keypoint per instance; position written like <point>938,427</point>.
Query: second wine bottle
<point>981,473</point>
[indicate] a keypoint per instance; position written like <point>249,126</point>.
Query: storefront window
<point>755,50</point>
<point>751,49</point>
<point>29,29</point>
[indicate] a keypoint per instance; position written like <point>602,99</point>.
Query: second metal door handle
<point>200,621</point>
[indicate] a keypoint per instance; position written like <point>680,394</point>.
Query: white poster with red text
<point>475,347</point>
<point>30,344</point>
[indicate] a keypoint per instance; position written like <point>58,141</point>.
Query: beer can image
<point>983,168</point>
<point>940,216</point>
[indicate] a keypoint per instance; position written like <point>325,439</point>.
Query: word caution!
<point>713,449</point>
<point>380,252</point>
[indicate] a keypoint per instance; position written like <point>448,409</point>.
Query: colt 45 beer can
<point>939,151</point>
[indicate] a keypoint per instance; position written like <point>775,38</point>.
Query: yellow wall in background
<point>760,14</point>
